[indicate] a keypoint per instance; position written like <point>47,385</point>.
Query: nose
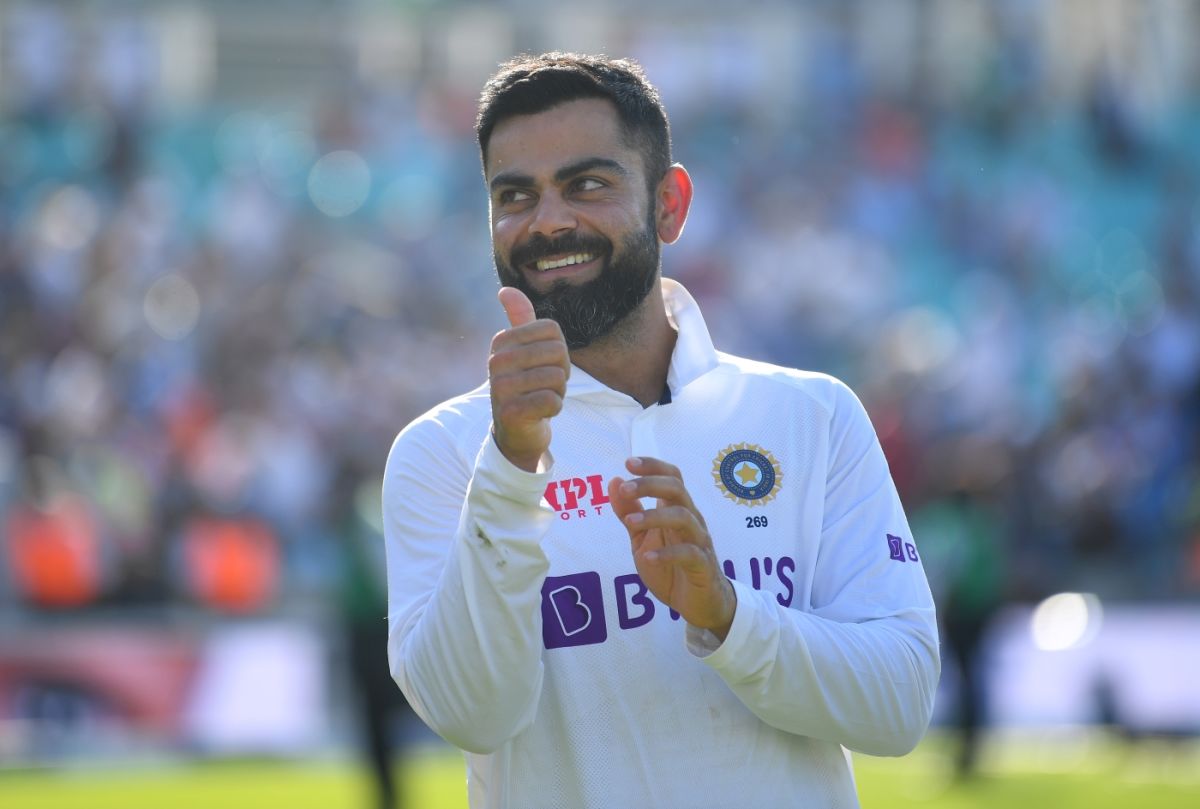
<point>553,215</point>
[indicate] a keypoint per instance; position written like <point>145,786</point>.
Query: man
<point>631,570</point>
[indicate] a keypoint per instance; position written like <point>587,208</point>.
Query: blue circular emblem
<point>747,474</point>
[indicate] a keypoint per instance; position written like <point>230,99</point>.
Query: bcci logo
<point>747,474</point>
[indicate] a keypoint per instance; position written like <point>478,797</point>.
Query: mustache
<point>539,247</point>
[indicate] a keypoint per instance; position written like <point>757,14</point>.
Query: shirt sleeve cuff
<point>505,477</point>
<point>506,508</point>
<point>705,645</point>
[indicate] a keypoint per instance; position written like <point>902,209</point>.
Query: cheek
<point>630,217</point>
<point>505,231</point>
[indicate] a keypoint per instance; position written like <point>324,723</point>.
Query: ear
<point>672,199</point>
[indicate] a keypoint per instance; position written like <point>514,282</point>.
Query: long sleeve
<point>859,664</point>
<point>465,569</point>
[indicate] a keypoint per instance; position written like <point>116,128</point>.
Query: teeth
<point>578,258</point>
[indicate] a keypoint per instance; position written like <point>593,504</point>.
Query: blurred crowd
<point>214,319</point>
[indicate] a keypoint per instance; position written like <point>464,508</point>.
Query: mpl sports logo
<point>576,498</point>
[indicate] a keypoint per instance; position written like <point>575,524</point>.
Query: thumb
<point>516,306</point>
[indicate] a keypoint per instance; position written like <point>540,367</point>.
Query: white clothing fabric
<point>520,631</point>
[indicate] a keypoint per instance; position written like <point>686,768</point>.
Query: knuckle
<point>552,352</point>
<point>535,400</point>
<point>503,413</point>
<point>513,410</point>
<point>549,401</point>
<point>666,487</point>
<point>501,385</point>
<point>556,377</point>
<point>504,357</point>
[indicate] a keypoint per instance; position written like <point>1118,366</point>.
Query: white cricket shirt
<point>520,631</point>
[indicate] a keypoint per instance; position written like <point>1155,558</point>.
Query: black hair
<point>529,84</point>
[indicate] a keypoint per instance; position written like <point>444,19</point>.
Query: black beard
<point>586,312</point>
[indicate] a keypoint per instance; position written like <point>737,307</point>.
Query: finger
<point>532,332</point>
<point>546,377</point>
<point>623,505</point>
<point>677,522</point>
<point>689,557</point>
<point>662,487</point>
<point>509,358</point>
<point>528,408</point>
<point>646,465</point>
<point>516,306</point>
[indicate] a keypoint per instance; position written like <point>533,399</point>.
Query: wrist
<point>527,462</point>
<point>724,622</point>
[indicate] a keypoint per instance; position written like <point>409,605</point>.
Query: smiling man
<point>582,241</point>
<point>631,570</point>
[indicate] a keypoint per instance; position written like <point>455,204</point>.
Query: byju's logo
<point>898,548</point>
<point>573,611</point>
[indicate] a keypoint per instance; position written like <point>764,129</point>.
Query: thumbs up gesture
<point>528,370</point>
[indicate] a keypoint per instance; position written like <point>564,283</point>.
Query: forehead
<point>539,144</point>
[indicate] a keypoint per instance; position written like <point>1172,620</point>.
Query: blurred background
<point>243,243</point>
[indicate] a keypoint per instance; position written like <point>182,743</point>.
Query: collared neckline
<point>694,354</point>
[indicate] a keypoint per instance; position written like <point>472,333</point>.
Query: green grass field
<point>1093,773</point>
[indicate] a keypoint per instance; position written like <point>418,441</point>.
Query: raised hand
<point>528,369</point>
<point>672,549</point>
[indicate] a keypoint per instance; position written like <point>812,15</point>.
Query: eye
<point>510,196</point>
<point>588,184</point>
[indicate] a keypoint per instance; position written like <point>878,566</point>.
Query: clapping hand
<point>672,549</point>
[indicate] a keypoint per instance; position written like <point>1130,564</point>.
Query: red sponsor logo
<point>575,498</point>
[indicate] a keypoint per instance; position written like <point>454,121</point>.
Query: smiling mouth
<point>566,261</point>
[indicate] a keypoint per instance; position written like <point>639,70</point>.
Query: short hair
<point>528,84</point>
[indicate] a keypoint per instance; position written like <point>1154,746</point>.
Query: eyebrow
<point>520,180</point>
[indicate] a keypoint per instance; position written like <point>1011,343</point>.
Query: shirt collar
<point>694,354</point>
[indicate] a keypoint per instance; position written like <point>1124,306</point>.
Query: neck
<point>634,358</point>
